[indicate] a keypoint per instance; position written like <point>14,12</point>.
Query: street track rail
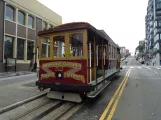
<point>10,107</point>
<point>48,111</point>
<point>42,109</point>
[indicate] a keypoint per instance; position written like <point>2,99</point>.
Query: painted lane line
<point>113,98</point>
<point>139,67</point>
<point>131,67</point>
<point>158,68</point>
<point>118,98</point>
<point>148,68</point>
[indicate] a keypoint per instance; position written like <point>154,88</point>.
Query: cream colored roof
<point>39,9</point>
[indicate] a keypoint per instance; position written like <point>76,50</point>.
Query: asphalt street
<point>138,99</point>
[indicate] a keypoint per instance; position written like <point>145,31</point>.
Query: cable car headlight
<point>59,75</point>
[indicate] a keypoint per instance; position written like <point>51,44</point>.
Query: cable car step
<point>73,97</point>
<point>99,88</point>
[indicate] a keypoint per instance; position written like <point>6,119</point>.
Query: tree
<point>142,48</point>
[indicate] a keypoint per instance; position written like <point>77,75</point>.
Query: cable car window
<point>59,46</point>
<point>45,50</point>
<point>76,44</point>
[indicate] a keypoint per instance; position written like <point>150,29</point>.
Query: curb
<point>123,59</point>
<point>11,77</point>
<point>17,104</point>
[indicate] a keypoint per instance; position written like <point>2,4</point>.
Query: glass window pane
<point>159,23</point>
<point>20,49</point>
<point>9,13</point>
<point>30,22</point>
<point>21,18</point>
<point>44,25</point>
<point>55,51</point>
<point>59,46</point>
<point>9,47</point>
<point>159,5</point>
<point>76,44</point>
<point>30,49</point>
<point>158,12</point>
<point>48,50</point>
<point>45,51</point>
<point>50,26</point>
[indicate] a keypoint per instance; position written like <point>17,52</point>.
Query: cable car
<point>76,60</point>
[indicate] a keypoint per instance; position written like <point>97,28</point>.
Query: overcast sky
<point>123,20</point>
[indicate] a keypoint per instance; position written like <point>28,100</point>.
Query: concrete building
<point>122,51</point>
<point>153,31</point>
<point>20,21</point>
<point>136,52</point>
<point>127,52</point>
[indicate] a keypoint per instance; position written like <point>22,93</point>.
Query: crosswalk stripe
<point>147,67</point>
<point>143,67</point>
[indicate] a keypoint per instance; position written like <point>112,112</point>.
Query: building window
<point>159,30</point>
<point>159,23</point>
<point>30,22</point>
<point>159,37</point>
<point>158,12</point>
<point>30,49</point>
<point>9,47</point>
<point>158,5</point>
<point>156,37</point>
<point>44,25</point>
<point>9,13</point>
<point>155,31</point>
<point>155,23</point>
<point>21,17</point>
<point>20,49</point>
<point>50,26</point>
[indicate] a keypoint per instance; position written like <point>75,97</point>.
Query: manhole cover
<point>30,85</point>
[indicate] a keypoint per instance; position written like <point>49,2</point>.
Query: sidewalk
<point>12,74</point>
<point>14,93</point>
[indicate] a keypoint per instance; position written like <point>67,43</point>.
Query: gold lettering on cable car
<point>73,65</point>
<point>47,75</point>
<point>63,64</point>
<point>74,76</point>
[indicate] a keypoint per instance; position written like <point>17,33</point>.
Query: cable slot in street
<point>48,111</point>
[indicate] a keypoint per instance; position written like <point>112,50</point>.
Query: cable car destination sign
<point>62,64</point>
